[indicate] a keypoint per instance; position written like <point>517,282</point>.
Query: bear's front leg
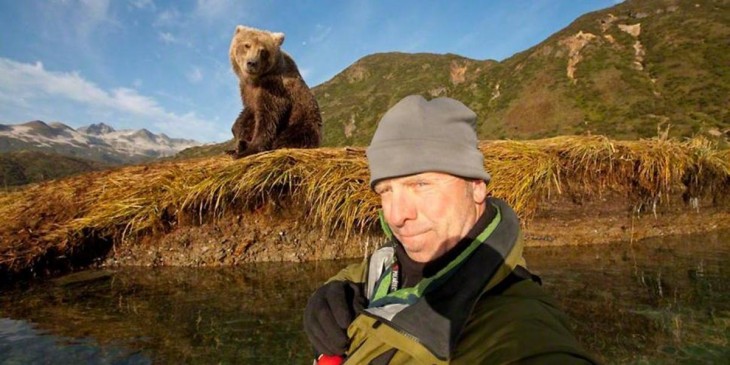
<point>263,134</point>
<point>242,131</point>
<point>239,149</point>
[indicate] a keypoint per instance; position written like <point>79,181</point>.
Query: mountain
<point>625,72</point>
<point>96,129</point>
<point>25,167</point>
<point>96,142</point>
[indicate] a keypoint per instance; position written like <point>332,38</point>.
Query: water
<point>657,301</point>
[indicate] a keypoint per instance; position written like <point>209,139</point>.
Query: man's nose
<point>402,208</point>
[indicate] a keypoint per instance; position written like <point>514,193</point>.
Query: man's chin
<point>414,246</point>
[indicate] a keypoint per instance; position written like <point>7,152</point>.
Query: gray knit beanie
<point>417,136</point>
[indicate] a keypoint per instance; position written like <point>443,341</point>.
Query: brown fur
<point>279,110</point>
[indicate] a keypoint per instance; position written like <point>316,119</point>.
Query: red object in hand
<point>330,360</point>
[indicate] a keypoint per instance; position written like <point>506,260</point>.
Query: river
<point>656,301</point>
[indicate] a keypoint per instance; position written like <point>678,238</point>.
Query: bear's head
<point>254,52</point>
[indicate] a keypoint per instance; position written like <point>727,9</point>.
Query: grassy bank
<point>76,220</point>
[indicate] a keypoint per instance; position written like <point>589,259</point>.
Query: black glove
<point>329,312</point>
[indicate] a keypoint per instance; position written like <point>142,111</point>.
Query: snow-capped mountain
<point>98,142</point>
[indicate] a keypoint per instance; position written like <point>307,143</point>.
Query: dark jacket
<point>481,308</point>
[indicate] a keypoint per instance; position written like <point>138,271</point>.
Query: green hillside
<point>356,98</point>
<point>203,151</point>
<point>25,167</point>
<point>623,72</point>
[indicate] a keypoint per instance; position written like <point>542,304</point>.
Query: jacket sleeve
<point>521,325</point>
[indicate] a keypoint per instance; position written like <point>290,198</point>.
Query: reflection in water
<point>20,343</point>
<point>662,300</point>
<point>656,301</point>
<point>178,315</point>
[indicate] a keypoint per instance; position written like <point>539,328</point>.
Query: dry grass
<point>329,187</point>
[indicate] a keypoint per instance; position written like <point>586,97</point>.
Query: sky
<point>163,64</point>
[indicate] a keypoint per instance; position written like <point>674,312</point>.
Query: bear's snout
<point>252,65</point>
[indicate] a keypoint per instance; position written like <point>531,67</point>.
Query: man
<point>451,286</point>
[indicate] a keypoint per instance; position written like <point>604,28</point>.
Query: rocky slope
<point>627,72</point>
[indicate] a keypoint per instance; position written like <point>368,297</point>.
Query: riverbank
<point>277,236</point>
<point>299,205</point>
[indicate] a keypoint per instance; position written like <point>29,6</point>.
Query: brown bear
<point>279,110</point>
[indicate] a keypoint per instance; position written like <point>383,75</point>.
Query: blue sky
<point>163,65</point>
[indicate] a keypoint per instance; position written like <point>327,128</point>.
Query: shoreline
<point>280,236</point>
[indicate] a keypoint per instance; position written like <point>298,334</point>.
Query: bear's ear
<point>241,28</point>
<point>278,38</point>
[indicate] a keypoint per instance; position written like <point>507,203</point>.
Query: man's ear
<point>479,190</point>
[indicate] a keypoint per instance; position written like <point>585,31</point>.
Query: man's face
<point>430,212</point>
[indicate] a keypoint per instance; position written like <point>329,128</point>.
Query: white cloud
<point>213,9</point>
<point>320,33</point>
<point>195,75</point>
<point>87,17</point>
<point>166,18</point>
<point>76,23</point>
<point>129,101</point>
<point>167,37</point>
<point>24,85</point>
<point>143,4</point>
